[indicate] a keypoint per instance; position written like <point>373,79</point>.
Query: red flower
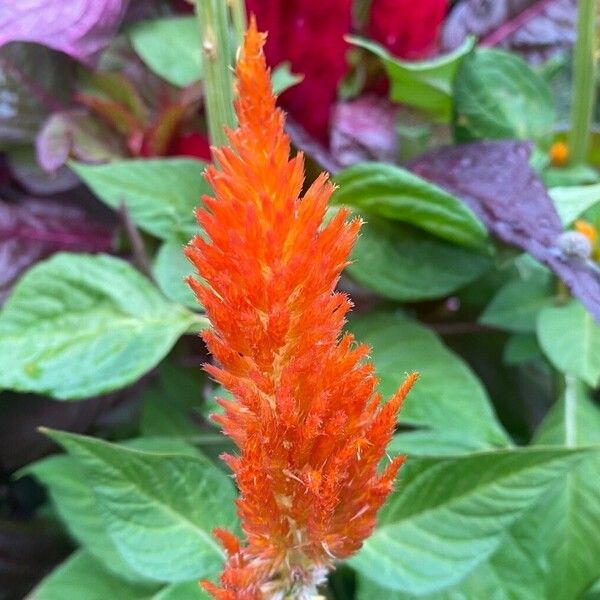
<point>309,34</point>
<point>308,423</point>
<point>407,28</point>
<point>194,145</point>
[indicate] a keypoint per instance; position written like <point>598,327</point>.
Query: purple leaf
<point>76,134</point>
<point>363,130</point>
<point>79,28</point>
<point>34,81</point>
<point>32,229</point>
<point>496,181</point>
<point>536,28</point>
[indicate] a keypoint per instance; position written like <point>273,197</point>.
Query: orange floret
<point>306,418</point>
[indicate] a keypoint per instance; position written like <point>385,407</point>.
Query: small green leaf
<point>516,306</point>
<point>447,396</point>
<point>391,192</point>
<point>160,194</point>
<point>83,574</point>
<point>167,405</point>
<point>282,78</point>
<point>434,442</point>
<point>78,325</point>
<point>170,269</point>
<point>572,202</point>
<point>450,515</point>
<point>405,264</point>
<point>170,47</point>
<point>426,85</point>
<point>570,338</point>
<point>159,509</point>
<point>498,96</point>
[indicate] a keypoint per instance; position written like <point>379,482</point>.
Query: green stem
<point>218,77</point>
<point>238,16</point>
<point>584,80</point>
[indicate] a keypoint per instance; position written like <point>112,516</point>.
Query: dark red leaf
<point>32,229</point>
<point>34,81</point>
<point>364,129</point>
<point>497,182</point>
<point>79,28</point>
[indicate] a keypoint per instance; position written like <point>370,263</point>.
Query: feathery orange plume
<point>305,415</point>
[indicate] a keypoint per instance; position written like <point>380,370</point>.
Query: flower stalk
<point>306,417</point>
<point>584,80</point>
<point>218,77</point>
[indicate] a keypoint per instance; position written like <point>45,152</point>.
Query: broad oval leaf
<point>447,396</point>
<point>405,264</point>
<point>81,571</point>
<point>451,514</point>
<point>159,509</point>
<point>497,95</point>
<point>160,194</point>
<point>77,326</point>
<point>392,192</point>
<point>570,338</point>
<point>80,28</point>
<point>170,47</point>
<point>427,84</point>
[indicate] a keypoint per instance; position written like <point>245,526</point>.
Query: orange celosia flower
<point>305,416</point>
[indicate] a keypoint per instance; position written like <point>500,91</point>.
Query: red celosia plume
<point>306,418</point>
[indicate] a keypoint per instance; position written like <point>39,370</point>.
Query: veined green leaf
<point>450,515</point>
<point>397,194</point>
<point>426,85</point>
<point>447,396</point>
<point>170,269</point>
<point>405,264</point>
<point>160,194</point>
<point>159,509</point>
<point>497,95</point>
<point>78,325</point>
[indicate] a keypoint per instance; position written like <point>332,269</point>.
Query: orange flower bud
<point>559,154</point>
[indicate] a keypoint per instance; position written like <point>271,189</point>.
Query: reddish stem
<point>512,25</point>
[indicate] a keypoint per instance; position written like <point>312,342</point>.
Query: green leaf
<point>75,502</point>
<point>451,515</point>
<point>168,403</point>
<point>160,194</point>
<point>571,514</point>
<point>78,325</point>
<point>82,572</point>
<point>516,306</point>
<point>572,202</point>
<point>282,78</point>
<point>447,396</point>
<point>570,338</point>
<point>426,85</point>
<point>170,269</point>
<point>497,96</point>
<point>389,191</point>
<point>170,47</point>
<point>521,347</point>
<point>405,264</point>
<point>159,509</point>
<point>433,442</point>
